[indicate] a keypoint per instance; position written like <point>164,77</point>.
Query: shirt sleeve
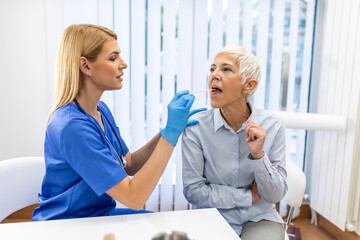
<point>83,148</point>
<point>197,189</point>
<point>271,182</point>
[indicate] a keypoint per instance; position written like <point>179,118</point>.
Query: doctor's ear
<point>84,65</point>
<point>250,85</point>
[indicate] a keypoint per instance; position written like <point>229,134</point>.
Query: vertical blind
<point>335,178</point>
<point>169,46</point>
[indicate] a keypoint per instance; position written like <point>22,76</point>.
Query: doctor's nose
<point>122,64</point>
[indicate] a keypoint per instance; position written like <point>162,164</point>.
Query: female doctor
<point>87,161</point>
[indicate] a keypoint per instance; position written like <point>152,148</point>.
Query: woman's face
<point>225,82</point>
<point>107,69</point>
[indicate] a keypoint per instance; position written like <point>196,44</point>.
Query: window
<point>169,46</point>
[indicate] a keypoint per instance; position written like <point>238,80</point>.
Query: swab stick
<point>201,91</point>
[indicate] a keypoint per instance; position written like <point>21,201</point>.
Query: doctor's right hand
<point>178,116</point>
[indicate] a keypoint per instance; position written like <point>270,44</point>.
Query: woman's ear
<point>250,85</point>
<point>84,65</point>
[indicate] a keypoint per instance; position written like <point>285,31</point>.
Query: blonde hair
<point>249,66</point>
<point>78,40</point>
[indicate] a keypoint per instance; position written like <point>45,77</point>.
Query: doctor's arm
<point>138,158</point>
<point>197,189</point>
<point>134,192</point>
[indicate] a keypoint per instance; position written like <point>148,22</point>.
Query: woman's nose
<point>122,64</point>
<point>215,75</point>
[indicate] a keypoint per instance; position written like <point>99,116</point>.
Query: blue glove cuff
<point>170,135</point>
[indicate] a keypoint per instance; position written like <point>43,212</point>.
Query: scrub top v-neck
<point>80,165</point>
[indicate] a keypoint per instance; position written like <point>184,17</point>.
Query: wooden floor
<point>310,232</point>
<point>324,231</point>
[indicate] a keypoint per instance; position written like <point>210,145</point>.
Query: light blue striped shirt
<point>218,169</point>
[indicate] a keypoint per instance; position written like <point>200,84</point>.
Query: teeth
<point>215,89</point>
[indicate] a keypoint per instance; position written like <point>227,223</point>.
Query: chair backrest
<point>296,185</point>
<point>20,183</point>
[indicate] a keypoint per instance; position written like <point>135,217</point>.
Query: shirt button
<point>243,211</point>
<point>235,171</point>
<point>261,168</point>
<point>235,153</point>
<point>234,185</point>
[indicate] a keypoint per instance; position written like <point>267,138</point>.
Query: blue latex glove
<point>193,121</point>
<point>178,116</point>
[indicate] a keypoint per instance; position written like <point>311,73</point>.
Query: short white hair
<point>249,66</point>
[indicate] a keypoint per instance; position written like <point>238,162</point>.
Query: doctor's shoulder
<point>64,114</point>
<point>70,118</point>
<point>104,107</point>
<point>105,110</point>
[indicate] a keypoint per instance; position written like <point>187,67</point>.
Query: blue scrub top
<point>80,165</point>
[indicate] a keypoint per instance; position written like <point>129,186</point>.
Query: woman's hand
<point>255,137</point>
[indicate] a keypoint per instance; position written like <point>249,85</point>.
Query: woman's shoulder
<point>205,120</point>
<point>203,115</point>
<point>104,107</point>
<point>67,117</point>
<point>264,113</point>
<point>105,110</point>
<point>269,117</point>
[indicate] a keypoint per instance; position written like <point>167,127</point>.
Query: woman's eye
<point>212,69</point>
<point>113,59</point>
<point>227,69</point>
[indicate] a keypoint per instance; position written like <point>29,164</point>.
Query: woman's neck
<point>235,116</point>
<point>89,100</point>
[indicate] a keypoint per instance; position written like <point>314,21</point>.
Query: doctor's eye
<point>113,59</point>
<point>212,69</point>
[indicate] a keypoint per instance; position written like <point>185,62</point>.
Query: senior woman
<point>234,159</point>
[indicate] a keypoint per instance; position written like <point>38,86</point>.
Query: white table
<point>199,224</point>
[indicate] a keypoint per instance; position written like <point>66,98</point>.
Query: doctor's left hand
<point>192,112</point>
<point>178,116</point>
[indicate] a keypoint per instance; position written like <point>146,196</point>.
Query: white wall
<point>24,102</point>
<point>332,156</point>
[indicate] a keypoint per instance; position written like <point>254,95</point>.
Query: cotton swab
<point>208,90</point>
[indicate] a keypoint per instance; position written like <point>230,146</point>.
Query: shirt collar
<point>219,121</point>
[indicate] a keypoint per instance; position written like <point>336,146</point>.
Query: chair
<point>296,188</point>
<point>20,183</point>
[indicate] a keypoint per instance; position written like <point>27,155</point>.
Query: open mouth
<point>215,90</point>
